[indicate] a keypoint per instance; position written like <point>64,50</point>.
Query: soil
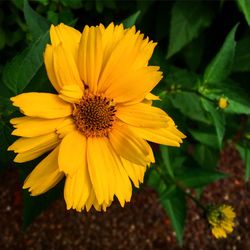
<point>142,224</point>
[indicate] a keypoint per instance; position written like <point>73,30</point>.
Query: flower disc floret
<point>94,115</point>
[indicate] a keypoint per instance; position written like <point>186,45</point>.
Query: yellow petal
<point>129,146</point>
<point>33,152</point>
<point>71,93</point>
<point>124,50</point>
<point>145,52</point>
<point>31,127</point>
<point>77,188</point>
<point>101,165</point>
<point>119,60</point>
<point>123,188</point>
<point>134,171</point>
<point>158,135</point>
<point>134,85</point>
<point>66,127</point>
<point>142,115</point>
<point>90,57</point>
<point>45,175</point>
<point>35,143</point>
<point>110,38</point>
<point>218,232</point>
<point>65,67</point>
<point>152,97</point>
<point>31,148</point>
<point>67,35</point>
<point>149,98</point>
<point>72,153</point>
<point>49,64</point>
<point>43,105</point>
<point>91,200</point>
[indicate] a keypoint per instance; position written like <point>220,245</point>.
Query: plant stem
<point>172,181</point>
<point>197,202</point>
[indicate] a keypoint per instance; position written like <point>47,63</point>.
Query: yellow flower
<point>223,103</point>
<point>98,125</point>
<point>221,220</point>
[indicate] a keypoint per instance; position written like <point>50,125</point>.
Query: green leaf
<point>169,192</point>
<point>131,20</point>
<point>53,16</point>
<point>239,102</point>
<point>220,67</point>
<point>198,177</point>
<point>245,156</point>
<point>166,160</point>
<point>245,7</point>
<point>37,24</point>
<point>218,118</point>
<point>187,21</point>
<point>74,4</point>
<point>18,3</point>
<point>242,56</point>
<point>176,210</point>
<point>18,73</point>
<point>6,157</point>
<point>35,205</point>
<point>189,104</point>
<point>205,156</point>
<point>239,105</point>
<point>181,77</point>
<point>206,138</point>
<point>193,53</point>
<point>173,201</point>
<point>155,181</point>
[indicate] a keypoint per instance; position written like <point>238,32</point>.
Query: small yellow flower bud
<point>223,103</point>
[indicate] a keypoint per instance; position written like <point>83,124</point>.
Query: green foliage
<point>204,55</point>
<point>37,24</point>
<point>198,177</point>
<point>172,200</point>
<point>176,210</point>
<point>218,118</point>
<point>207,138</point>
<point>242,56</point>
<point>206,156</point>
<point>220,67</point>
<point>187,21</point>
<point>33,206</point>
<point>245,155</point>
<point>18,73</point>
<point>131,20</point>
<point>189,104</point>
<point>245,8</point>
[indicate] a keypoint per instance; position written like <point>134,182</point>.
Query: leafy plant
<point>204,55</point>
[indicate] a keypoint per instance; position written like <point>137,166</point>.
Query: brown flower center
<point>94,115</point>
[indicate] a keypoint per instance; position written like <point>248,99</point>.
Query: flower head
<point>97,127</point>
<point>223,103</point>
<point>221,220</point>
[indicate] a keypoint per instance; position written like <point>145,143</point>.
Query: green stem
<point>172,181</point>
<point>197,202</point>
<point>195,91</point>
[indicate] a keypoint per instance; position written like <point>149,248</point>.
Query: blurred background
<point>204,52</point>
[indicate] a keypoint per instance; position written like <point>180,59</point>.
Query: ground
<point>142,224</point>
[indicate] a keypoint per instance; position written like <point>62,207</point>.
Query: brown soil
<point>142,224</point>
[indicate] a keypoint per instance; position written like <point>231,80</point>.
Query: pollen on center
<point>94,115</point>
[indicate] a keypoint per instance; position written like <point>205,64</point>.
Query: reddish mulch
<point>142,224</point>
